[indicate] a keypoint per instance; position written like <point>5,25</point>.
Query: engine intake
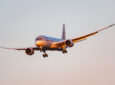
<point>29,51</point>
<point>69,43</point>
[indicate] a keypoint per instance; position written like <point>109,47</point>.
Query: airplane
<point>44,43</point>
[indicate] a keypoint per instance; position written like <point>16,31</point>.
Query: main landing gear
<point>64,51</point>
<point>45,55</point>
<point>42,50</point>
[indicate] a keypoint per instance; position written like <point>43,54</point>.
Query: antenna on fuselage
<point>63,32</point>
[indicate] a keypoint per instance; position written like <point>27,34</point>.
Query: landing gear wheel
<point>45,55</point>
<point>64,51</point>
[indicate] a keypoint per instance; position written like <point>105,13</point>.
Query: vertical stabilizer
<point>63,32</point>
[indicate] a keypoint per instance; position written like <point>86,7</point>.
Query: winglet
<point>9,48</point>
<point>106,27</point>
<point>4,47</point>
<point>112,25</point>
<point>63,32</point>
<point>1,47</point>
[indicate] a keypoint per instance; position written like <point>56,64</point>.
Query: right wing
<point>35,48</point>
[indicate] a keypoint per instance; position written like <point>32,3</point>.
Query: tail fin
<point>63,32</point>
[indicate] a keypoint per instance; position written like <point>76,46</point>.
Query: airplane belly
<point>48,45</point>
<point>55,47</point>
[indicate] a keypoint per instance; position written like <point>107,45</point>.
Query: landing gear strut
<point>45,55</point>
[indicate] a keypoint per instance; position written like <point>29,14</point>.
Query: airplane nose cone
<point>40,43</point>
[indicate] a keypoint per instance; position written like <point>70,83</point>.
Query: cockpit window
<point>39,38</point>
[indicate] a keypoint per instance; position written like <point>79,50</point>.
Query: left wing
<point>90,34</point>
<point>35,48</point>
<point>74,40</point>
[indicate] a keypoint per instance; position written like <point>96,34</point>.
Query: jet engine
<point>69,43</point>
<point>29,51</point>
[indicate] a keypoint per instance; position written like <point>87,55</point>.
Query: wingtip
<point>111,25</point>
<point>1,47</point>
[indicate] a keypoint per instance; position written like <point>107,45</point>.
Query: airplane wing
<point>74,40</point>
<point>90,34</point>
<point>35,48</point>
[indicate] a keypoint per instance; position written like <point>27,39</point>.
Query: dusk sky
<point>89,62</point>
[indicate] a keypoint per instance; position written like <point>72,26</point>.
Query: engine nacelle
<point>69,43</point>
<point>29,51</point>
